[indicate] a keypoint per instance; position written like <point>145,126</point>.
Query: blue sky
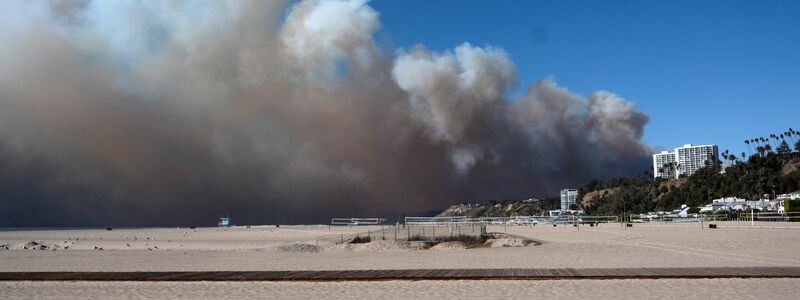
<point>704,71</point>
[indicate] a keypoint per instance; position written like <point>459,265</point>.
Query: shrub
<point>791,205</point>
<point>361,239</point>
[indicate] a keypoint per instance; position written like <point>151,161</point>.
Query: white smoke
<point>318,34</point>
<point>449,92</point>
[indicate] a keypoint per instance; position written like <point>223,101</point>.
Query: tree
<point>783,148</point>
<point>797,146</point>
<point>791,205</point>
<point>747,142</point>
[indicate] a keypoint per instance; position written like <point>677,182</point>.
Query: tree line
<point>770,169</point>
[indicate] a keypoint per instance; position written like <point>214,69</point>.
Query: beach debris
<point>108,228</point>
<point>33,245</point>
<point>98,248</point>
<point>299,247</point>
<point>4,247</point>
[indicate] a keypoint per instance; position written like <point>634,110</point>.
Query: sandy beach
<point>503,289</point>
<point>314,247</point>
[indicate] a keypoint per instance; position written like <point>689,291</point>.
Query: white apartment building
<point>692,158</point>
<point>664,165</point>
<point>568,197</point>
<point>685,160</point>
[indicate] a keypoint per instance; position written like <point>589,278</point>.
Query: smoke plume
<point>176,112</point>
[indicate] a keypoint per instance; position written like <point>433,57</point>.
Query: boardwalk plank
<point>411,274</point>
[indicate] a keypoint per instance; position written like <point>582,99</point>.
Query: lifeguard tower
<point>224,222</point>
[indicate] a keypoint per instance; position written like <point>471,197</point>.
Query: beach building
<point>733,203</point>
<point>224,222</point>
<point>727,204</point>
<point>684,160</point>
<point>568,198</point>
<point>790,196</point>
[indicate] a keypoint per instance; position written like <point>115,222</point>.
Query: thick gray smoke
<point>176,112</point>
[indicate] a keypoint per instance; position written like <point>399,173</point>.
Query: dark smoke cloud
<point>173,113</point>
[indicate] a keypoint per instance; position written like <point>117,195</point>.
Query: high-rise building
<point>664,165</point>
<point>684,161</point>
<point>568,197</point>
<point>692,158</point>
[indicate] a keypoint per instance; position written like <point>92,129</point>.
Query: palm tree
<point>791,134</point>
<point>747,142</point>
<point>743,156</point>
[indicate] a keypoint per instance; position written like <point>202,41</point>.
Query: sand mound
<point>449,246</point>
<point>508,240</point>
<point>299,248</point>
<point>374,246</point>
<point>379,246</point>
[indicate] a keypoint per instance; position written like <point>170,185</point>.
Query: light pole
<point>623,214</point>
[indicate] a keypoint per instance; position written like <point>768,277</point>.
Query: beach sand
<point>314,247</point>
<point>780,288</point>
<point>310,248</point>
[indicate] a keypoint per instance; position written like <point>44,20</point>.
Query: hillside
<point>770,173</point>
<point>508,208</point>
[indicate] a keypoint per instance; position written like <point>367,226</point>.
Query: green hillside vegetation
<point>764,172</point>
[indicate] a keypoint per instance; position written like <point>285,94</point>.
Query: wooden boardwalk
<point>413,274</point>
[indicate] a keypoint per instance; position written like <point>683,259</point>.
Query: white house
<point>733,203</point>
<point>791,196</point>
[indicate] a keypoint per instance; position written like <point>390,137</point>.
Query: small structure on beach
<point>224,222</point>
<point>357,221</point>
